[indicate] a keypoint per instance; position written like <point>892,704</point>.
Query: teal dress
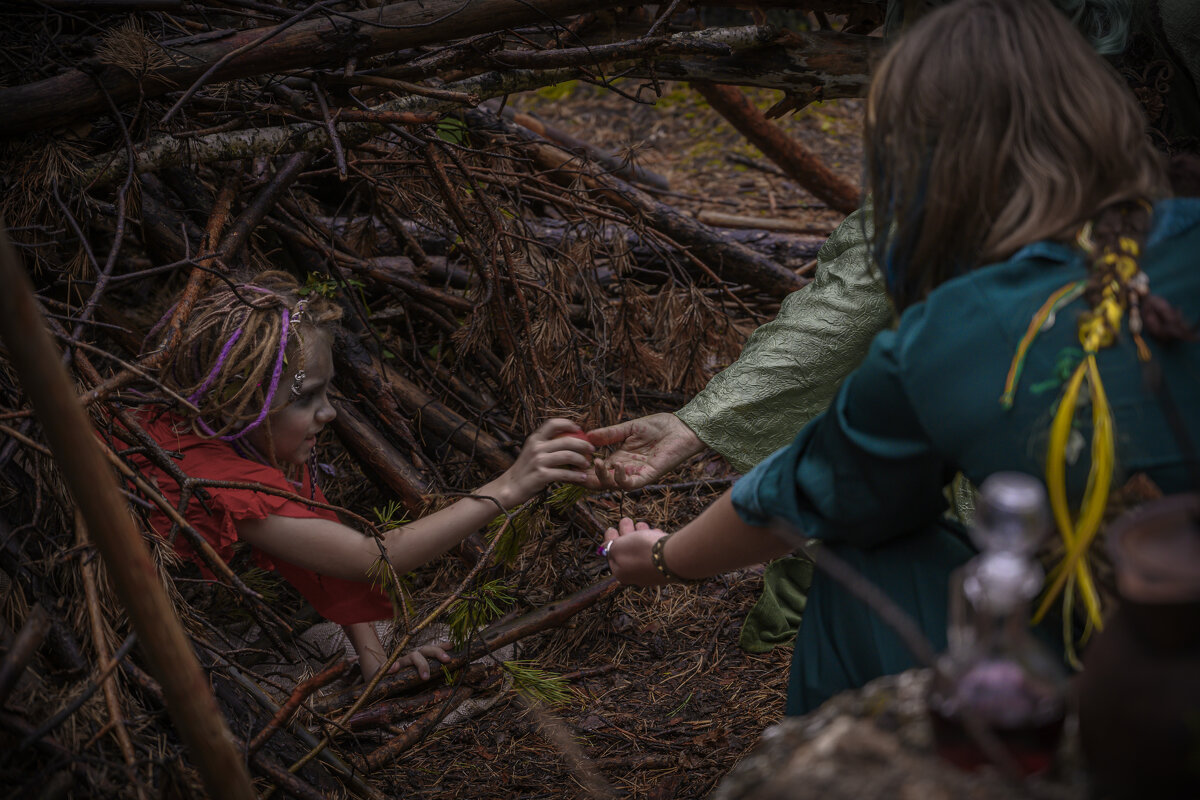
<point>867,477</point>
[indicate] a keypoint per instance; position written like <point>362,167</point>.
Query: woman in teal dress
<point>1025,233</point>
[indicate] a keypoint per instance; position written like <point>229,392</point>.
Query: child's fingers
<point>436,650</point>
<point>565,458</point>
<point>564,442</point>
<point>552,475</point>
<point>555,427</point>
<point>420,662</point>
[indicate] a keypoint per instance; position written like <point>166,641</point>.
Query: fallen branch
<point>719,219</point>
<point>379,382</point>
<point>100,633</point>
<point>730,260</point>
<point>548,616</point>
<point>801,164</point>
<point>417,730</point>
<point>478,676</point>
<point>301,693</point>
<point>379,459</point>
<point>328,41</point>
<point>839,67</point>
<point>134,578</point>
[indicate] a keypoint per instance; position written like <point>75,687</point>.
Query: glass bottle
<point>994,669</point>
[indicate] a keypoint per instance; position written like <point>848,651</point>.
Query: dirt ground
<point>664,702</point>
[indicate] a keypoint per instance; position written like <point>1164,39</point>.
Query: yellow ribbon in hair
<point>1097,329</point>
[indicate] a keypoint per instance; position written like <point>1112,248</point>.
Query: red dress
<point>342,601</point>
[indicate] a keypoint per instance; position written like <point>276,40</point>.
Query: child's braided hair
<point>243,346</point>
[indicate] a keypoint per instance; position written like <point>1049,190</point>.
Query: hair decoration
<point>1115,290</point>
<point>298,384</point>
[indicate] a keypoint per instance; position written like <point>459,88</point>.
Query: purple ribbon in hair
<point>217,367</point>
<point>275,375</point>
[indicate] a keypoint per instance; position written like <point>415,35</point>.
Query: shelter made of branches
<point>493,273</point>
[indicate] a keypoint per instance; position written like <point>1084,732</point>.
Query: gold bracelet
<point>660,563</point>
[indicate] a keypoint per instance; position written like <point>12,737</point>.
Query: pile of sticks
<point>493,269</point>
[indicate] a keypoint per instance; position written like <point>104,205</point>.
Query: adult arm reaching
<point>716,541</point>
<point>787,373</point>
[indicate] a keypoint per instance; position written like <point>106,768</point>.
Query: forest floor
<point>667,702</point>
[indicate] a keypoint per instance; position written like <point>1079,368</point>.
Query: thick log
<point>837,67</point>
<point>378,381</point>
<point>801,164</point>
<point>821,65</point>
<point>130,568</point>
<point>380,460</point>
<point>728,259</point>
<point>500,634</point>
<point>326,41</point>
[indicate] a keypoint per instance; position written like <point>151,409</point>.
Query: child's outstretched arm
<point>331,548</point>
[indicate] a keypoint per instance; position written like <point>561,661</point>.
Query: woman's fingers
<point>622,479</point>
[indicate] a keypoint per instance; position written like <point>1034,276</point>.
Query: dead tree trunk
<point>95,490</point>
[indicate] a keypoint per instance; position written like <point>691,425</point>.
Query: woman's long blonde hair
<point>992,124</point>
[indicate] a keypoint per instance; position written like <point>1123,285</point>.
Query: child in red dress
<point>256,363</point>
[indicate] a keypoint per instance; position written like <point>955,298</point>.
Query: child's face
<point>290,432</point>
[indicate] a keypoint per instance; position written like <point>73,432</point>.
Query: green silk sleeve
<point>791,367</point>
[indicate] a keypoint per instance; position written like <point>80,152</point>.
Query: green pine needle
<point>565,495</point>
<point>390,515</point>
<point>548,688</point>
<point>480,606</point>
<point>530,519</point>
<point>381,577</point>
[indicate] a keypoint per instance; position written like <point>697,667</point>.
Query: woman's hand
<point>557,451</point>
<point>629,552</point>
<point>649,447</point>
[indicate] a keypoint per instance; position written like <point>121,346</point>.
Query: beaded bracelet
<point>660,563</point>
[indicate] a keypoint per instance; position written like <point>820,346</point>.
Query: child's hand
<point>369,661</point>
<point>557,451</point>
<point>419,658</point>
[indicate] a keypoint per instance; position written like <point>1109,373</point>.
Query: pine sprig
<point>484,604</point>
<point>390,515</point>
<point>548,688</point>
<point>565,495</point>
<point>528,520</point>
<point>396,587</point>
